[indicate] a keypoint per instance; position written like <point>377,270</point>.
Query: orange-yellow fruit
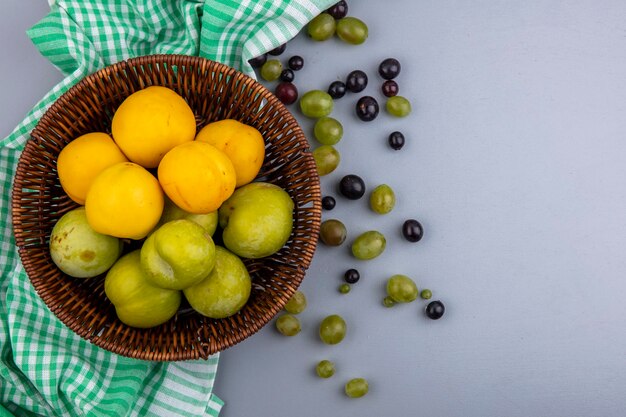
<point>243,144</point>
<point>124,201</point>
<point>150,122</point>
<point>81,160</point>
<point>197,177</point>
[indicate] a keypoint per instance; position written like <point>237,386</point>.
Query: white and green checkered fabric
<point>45,369</point>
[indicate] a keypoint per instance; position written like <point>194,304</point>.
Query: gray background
<point>515,165</point>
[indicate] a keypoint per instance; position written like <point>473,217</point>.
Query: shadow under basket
<point>214,92</point>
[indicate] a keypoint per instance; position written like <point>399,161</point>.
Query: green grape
<point>296,304</point>
<point>369,245</point>
<point>352,30</point>
<point>398,106</point>
<point>326,158</point>
<point>401,289</point>
<point>426,294</point>
<point>388,302</point>
<point>333,232</point>
<point>382,199</point>
<point>328,131</point>
<point>322,27</point>
<point>325,369</point>
<point>271,70</point>
<point>332,329</point>
<point>316,104</point>
<point>356,387</point>
<point>344,288</point>
<point>288,325</point>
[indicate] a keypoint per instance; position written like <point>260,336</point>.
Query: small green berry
<point>426,294</point>
<point>325,369</point>
<point>388,301</point>
<point>344,288</point>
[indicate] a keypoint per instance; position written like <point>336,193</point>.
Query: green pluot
<point>137,302</point>
<point>225,291</point>
<point>177,255</point>
<point>80,251</point>
<point>256,220</point>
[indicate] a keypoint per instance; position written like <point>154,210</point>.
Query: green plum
<point>172,212</point>
<point>78,250</point>
<point>177,255</point>
<point>137,302</point>
<point>256,220</point>
<point>225,291</point>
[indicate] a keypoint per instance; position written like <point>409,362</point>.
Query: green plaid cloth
<point>46,369</point>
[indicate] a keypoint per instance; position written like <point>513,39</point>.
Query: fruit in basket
<point>137,302</point>
<point>177,255</point>
<point>197,177</point>
<point>81,160</point>
<point>243,144</point>
<point>78,250</point>
<point>150,122</point>
<point>124,201</point>
<point>225,290</point>
<point>256,220</point>
<point>171,212</point>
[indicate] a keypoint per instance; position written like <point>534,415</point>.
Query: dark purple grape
<point>356,81</point>
<point>435,310</point>
<point>258,61</point>
<point>352,276</point>
<point>412,230</point>
<point>328,203</point>
<point>295,63</point>
<point>337,89</point>
<point>367,108</point>
<point>286,92</point>
<point>278,50</point>
<point>396,140</point>
<point>287,75</point>
<point>339,10</point>
<point>352,187</point>
<point>389,68</point>
<point>390,88</point>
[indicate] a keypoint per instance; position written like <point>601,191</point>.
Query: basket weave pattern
<point>214,92</point>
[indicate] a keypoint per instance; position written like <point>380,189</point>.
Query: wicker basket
<point>214,91</point>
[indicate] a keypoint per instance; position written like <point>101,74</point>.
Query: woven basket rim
<point>82,87</point>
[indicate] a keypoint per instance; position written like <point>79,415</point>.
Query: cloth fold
<point>45,368</point>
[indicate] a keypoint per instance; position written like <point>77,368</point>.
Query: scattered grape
<point>326,158</point>
<point>401,289</point>
<point>369,245</point>
<point>328,202</point>
<point>332,329</point>
<point>333,232</point>
<point>352,30</point>
<point>435,310</point>
<point>351,276</point>
<point>288,325</point>
<point>382,199</point>
<point>356,81</point>
<point>352,187</point>
<point>325,369</point>
<point>356,387</point>
<point>389,68</point>
<point>328,131</point>
<point>398,106</point>
<point>297,303</point>
<point>412,230</point>
<point>367,108</point>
